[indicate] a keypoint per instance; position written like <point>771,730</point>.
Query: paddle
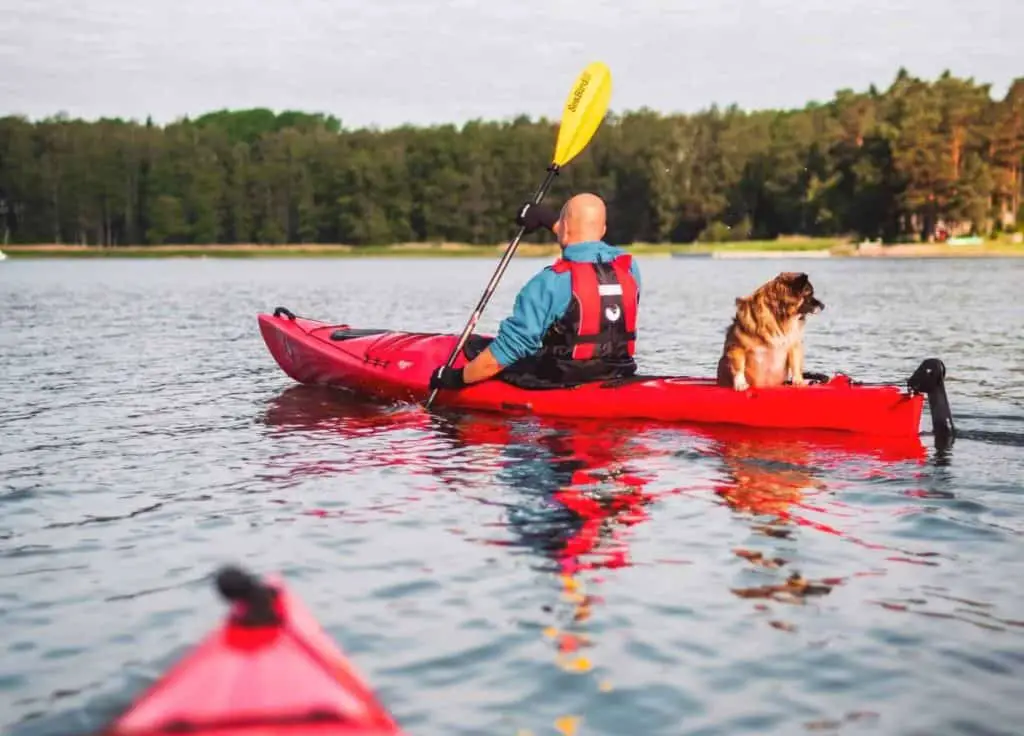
<point>584,110</point>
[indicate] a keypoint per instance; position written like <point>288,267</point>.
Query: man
<point>573,322</point>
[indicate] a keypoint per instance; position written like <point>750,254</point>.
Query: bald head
<point>583,218</point>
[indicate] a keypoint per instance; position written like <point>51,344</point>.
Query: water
<point>148,436</point>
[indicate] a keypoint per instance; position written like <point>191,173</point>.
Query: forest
<point>921,160</point>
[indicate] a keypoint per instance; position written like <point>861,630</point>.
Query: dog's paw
<point>799,381</point>
<point>740,383</point>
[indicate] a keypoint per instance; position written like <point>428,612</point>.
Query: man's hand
<point>445,377</point>
<point>532,216</point>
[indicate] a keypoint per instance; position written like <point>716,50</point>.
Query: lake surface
<point>495,575</point>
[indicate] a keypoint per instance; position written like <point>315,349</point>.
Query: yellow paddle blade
<point>584,111</point>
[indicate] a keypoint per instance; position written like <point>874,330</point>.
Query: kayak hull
<point>395,365</point>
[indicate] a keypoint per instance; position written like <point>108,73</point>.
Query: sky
<point>389,62</point>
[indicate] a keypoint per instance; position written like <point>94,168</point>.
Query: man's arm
<point>481,367</point>
<point>538,304</point>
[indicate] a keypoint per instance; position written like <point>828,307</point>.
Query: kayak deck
<point>395,365</point>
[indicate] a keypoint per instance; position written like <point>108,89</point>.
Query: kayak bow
<point>268,670</point>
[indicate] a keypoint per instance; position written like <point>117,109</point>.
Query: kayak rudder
<point>930,379</point>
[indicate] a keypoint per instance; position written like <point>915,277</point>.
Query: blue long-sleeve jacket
<point>544,299</point>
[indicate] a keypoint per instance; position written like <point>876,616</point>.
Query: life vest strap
<point>598,338</point>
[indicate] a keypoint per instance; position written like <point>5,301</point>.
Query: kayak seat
<point>520,374</point>
<point>346,333</point>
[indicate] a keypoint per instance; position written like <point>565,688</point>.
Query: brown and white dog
<point>764,344</point>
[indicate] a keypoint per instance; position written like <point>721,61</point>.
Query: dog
<point>764,344</point>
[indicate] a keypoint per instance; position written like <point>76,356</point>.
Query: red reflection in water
<point>765,472</point>
<point>780,475</point>
<point>603,494</point>
<point>589,470</point>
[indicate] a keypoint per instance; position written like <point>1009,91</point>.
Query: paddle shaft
<point>553,170</point>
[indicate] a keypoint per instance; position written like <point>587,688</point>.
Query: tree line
<point>918,160</point>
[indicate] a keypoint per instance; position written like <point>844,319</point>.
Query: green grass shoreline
<point>816,247</point>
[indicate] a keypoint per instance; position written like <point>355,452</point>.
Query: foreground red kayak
<point>270,670</point>
<point>396,365</point>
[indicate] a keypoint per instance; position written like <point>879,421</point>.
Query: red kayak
<point>269,670</point>
<point>396,365</point>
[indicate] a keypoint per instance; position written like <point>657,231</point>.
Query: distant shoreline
<point>796,248</point>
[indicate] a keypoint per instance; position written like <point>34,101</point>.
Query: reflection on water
<point>572,491</point>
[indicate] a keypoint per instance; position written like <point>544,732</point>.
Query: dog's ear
<point>797,281</point>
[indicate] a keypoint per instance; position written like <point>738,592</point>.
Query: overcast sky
<point>386,62</point>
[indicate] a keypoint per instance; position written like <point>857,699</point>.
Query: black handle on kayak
<point>238,586</point>
<point>278,311</point>
<point>553,170</point>
<point>930,379</point>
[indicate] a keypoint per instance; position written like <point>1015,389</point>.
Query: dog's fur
<point>764,344</point>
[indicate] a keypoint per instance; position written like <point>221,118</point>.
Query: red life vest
<point>596,337</point>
